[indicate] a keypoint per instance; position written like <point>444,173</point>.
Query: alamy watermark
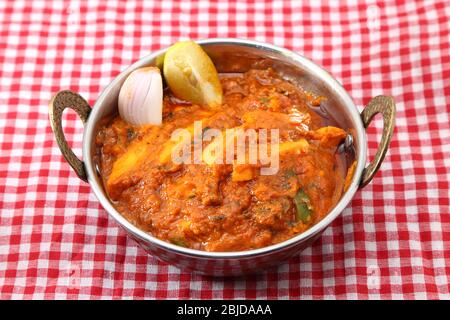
<point>73,277</point>
<point>373,13</point>
<point>231,146</point>
<point>373,277</point>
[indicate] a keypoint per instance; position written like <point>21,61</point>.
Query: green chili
<point>303,205</point>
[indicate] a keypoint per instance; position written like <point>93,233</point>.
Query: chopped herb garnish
<point>285,185</point>
<point>131,134</point>
<point>191,196</point>
<point>169,116</point>
<point>265,101</point>
<point>218,217</point>
<point>290,173</point>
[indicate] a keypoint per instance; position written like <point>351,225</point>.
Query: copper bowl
<point>232,55</point>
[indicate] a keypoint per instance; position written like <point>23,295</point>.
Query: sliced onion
<point>141,97</point>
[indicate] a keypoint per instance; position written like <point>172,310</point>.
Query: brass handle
<point>385,106</point>
<point>62,100</point>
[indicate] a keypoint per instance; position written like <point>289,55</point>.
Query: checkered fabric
<point>393,241</point>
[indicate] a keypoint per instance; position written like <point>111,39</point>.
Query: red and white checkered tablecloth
<point>393,241</point>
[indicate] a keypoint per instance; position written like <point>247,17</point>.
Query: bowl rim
<point>315,229</point>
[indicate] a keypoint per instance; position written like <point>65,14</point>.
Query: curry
<point>216,206</point>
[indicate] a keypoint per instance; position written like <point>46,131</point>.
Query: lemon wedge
<point>191,74</point>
